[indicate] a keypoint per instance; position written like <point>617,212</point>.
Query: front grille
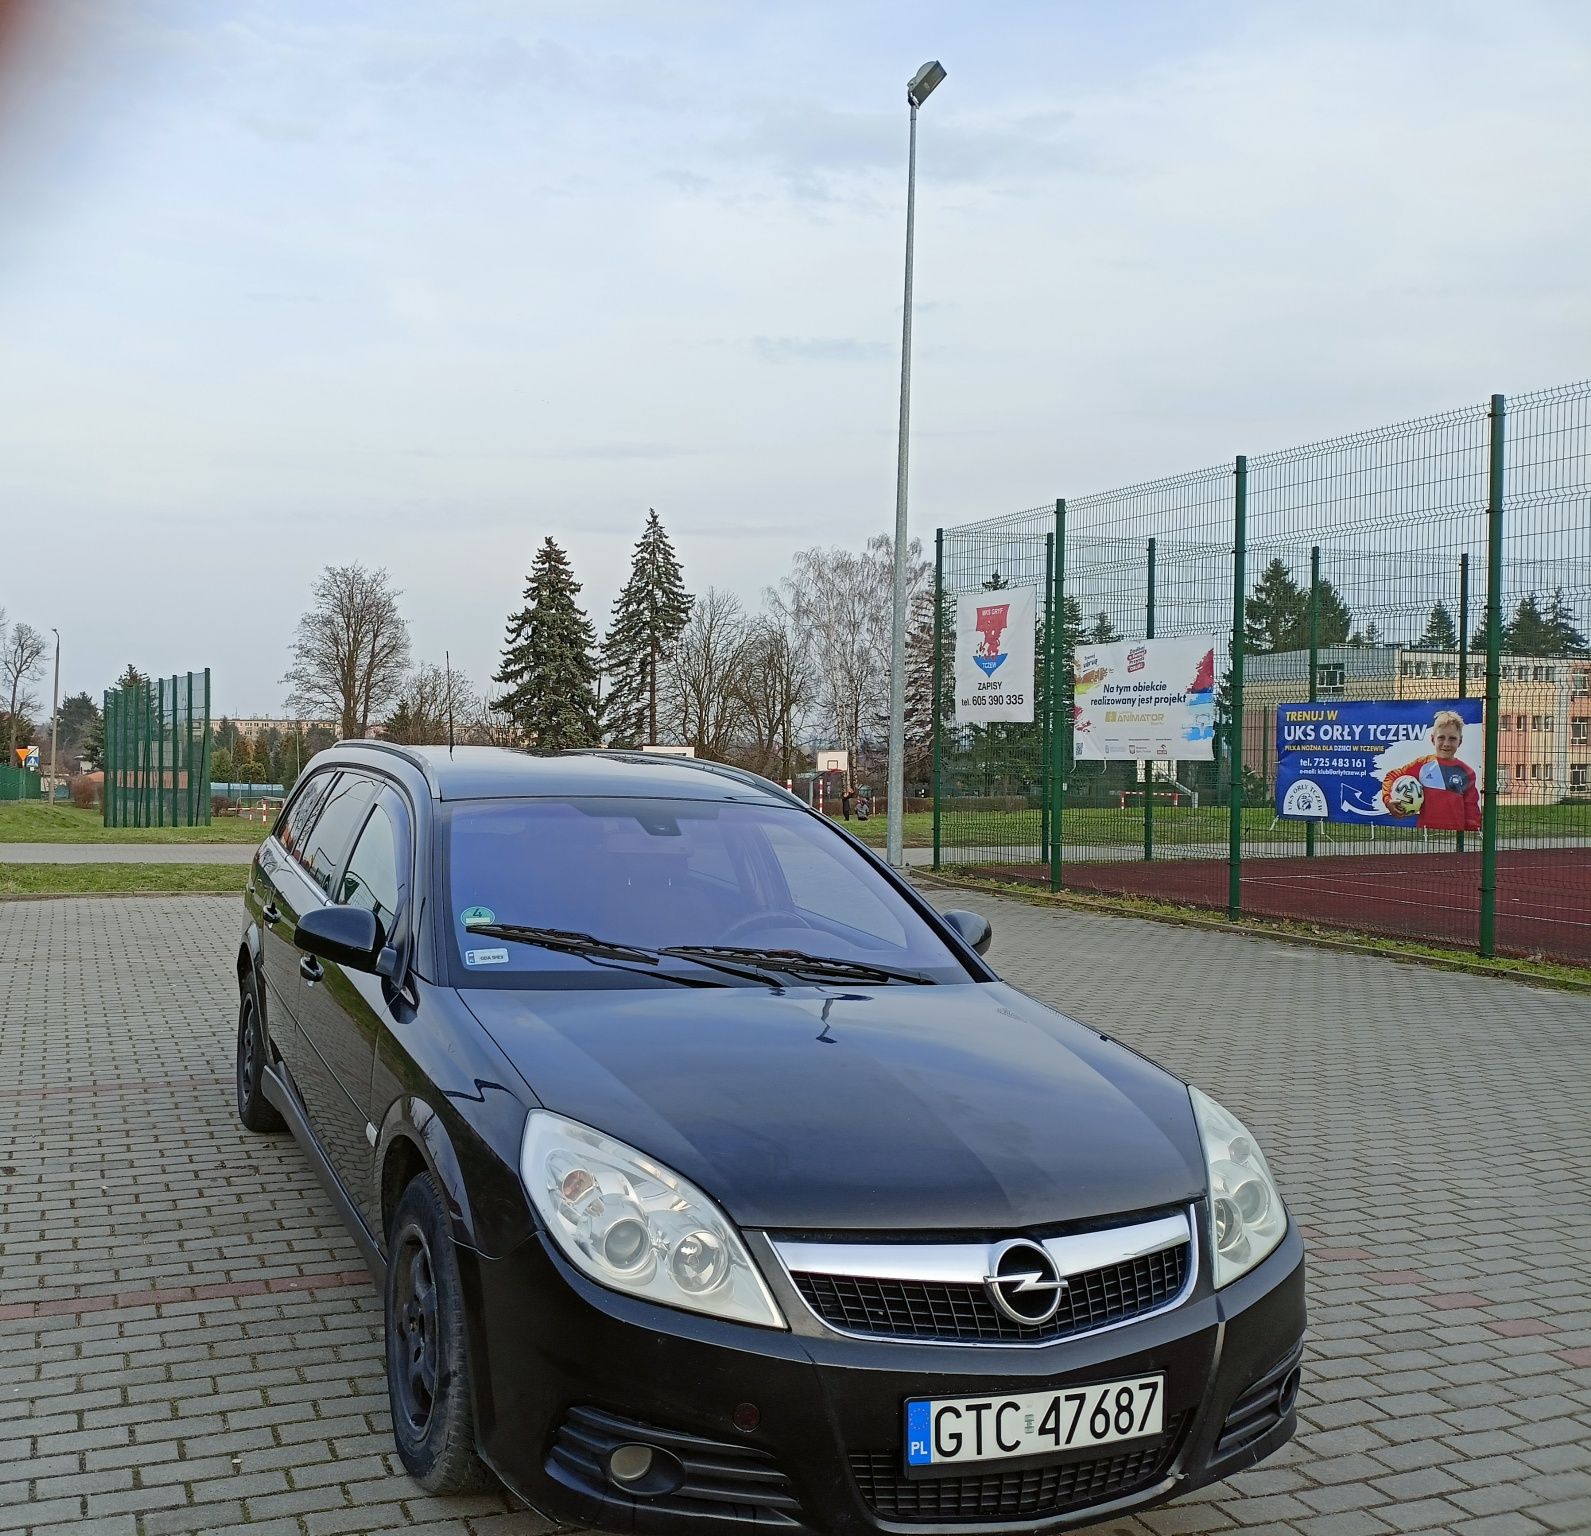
<point>722,1480</point>
<point>915,1309</point>
<point>1020,1494</point>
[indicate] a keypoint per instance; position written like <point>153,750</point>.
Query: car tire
<point>256,1111</point>
<point>428,1368</point>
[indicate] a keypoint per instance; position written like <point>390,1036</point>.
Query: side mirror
<point>348,936</point>
<point>975,930</point>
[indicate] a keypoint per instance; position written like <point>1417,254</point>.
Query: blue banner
<point>1387,762</point>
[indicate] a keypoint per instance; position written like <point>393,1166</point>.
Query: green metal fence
<point>157,753</point>
<point>1443,557</point>
<point>18,783</point>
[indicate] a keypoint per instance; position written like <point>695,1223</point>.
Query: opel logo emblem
<point>1025,1284</point>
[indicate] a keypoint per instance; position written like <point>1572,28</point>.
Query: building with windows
<point>1544,706</point>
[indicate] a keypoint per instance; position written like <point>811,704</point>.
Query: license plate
<point>941,1431</point>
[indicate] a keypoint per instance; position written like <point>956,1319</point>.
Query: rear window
<point>656,873</point>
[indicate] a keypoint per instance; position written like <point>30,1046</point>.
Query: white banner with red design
<point>995,636</point>
<point>1145,699</point>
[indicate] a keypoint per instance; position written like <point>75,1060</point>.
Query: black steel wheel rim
<point>248,1052</point>
<point>414,1324</point>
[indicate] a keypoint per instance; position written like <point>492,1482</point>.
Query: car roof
<point>501,773</point>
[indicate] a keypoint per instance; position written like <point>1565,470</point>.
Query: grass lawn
<point>1101,826</point>
<point>121,879</point>
<point>26,821</point>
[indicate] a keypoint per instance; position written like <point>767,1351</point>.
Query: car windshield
<point>657,873</point>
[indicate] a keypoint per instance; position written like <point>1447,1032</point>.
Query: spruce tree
<point>1562,633</point>
<point>1276,612</point>
<point>1441,633</point>
<point>650,615</point>
<point>547,659</point>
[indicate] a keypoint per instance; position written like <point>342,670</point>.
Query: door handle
<point>310,969</point>
<point>270,914</point>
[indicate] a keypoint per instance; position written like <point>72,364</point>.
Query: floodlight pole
<point>55,715</point>
<point>918,90</point>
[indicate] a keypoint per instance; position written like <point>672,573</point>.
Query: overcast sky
<point>415,284</point>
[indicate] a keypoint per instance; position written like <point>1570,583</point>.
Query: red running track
<point>1543,894</point>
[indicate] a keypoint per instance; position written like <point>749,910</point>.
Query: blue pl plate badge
<point>919,1444</point>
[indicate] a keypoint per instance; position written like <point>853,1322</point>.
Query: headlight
<point>631,1224</point>
<point>1247,1217</point>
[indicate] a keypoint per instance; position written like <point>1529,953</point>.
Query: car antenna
<point>447,662</point>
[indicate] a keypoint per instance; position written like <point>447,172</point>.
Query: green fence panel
<point>157,753</point>
<point>1370,566</point>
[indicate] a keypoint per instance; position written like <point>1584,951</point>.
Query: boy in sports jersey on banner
<point>1438,788</point>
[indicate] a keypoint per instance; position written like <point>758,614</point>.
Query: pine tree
<point>1441,633</point>
<point>1562,633</point>
<point>547,659</point>
<point>1334,617</point>
<point>1527,632</point>
<point>1276,612</point>
<point>650,615</point>
<point>1103,632</point>
<point>132,678</point>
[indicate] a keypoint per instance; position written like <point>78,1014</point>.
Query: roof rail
<point>413,759</point>
<point>700,764</point>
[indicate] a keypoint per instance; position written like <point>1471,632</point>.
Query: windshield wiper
<point>798,963</point>
<point>565,941</point>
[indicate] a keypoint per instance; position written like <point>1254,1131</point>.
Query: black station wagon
<point>715,1181</point>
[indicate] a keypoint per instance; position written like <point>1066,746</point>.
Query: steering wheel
<point>752,921</point>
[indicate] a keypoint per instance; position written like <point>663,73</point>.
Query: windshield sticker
<point>474,917</point>
<point>486,957</point>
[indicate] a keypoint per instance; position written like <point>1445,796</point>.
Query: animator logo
<point>991,625</point>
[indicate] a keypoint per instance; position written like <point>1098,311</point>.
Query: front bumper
<point>565,1370</point>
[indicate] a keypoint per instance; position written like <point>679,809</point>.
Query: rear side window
<point>323,851</point>
<point>371,881</point>
<point>300,815</point>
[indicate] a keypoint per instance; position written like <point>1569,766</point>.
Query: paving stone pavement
<point>188,1342</point>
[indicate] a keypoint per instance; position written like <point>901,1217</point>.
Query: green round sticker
<point>474,917</point>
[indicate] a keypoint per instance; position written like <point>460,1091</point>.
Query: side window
<point>300,814</point>
<point>322,851</point>
<point>371,880</point>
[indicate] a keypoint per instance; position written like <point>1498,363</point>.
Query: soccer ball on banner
<point>1406,796</point>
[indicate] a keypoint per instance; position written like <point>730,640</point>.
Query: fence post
<point>1494,646</point>
<point>1234,848</point>
<point>1060,696</point>
<point>1314,668</point>
<point>939,686</point>
<point>205,815</point>
<point>1463,643</point>
<point>149,753</point>
<point>1149,778</point>
<point>1046,714</point>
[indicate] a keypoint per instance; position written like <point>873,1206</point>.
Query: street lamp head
<point>921,85</point>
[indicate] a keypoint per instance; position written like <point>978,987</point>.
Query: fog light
<point>629,1464</point>
<point>747,1417</point>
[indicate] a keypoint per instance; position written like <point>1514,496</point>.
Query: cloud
<point>818,349</point>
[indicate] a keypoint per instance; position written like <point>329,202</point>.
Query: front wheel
<point>428,1372</point>
<point>255,1110</point>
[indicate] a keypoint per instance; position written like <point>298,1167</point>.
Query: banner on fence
<point>1392,762</point>
<point>1145,699</point>
<point>995,634</point>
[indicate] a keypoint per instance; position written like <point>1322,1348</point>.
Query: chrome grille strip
<point>968,1263</point>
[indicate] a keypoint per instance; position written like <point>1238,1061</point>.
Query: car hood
<point>921,1108</point>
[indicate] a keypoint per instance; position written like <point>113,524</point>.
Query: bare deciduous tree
<point>777,689</point>
<point>421,716</point>
<point>351,651</point>
<point>701,700</point>
<point>22,650</point>
<point>842,601</point>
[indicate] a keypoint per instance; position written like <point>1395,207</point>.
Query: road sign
<point>30,757</point>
